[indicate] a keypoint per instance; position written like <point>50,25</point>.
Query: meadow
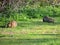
<point>32,32</point>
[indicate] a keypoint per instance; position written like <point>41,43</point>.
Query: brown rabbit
<point>12,24</point>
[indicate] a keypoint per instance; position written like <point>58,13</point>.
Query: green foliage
<point>29,11</point>
<point>37,12</point>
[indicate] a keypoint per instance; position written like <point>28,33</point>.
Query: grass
<point>30,41</point>
<point>32,32</point>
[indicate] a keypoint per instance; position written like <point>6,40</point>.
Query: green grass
<point>30,41</point>
<point>32,32</point>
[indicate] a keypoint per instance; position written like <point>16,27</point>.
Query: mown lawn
<point>32,32</point>
<point>42,41</point>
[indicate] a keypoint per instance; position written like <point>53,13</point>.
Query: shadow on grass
<point>2,27</point>
<point>57,23</point>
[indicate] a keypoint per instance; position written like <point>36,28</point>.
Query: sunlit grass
<point>33,26</point>
<point>32,32</point>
